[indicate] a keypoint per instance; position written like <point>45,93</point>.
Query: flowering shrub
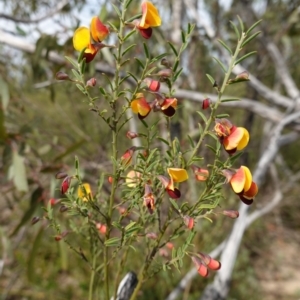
<point>146,208</point>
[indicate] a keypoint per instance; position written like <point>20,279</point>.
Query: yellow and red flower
<point>242,184</point>
<point>231,137</point>
<point>140,106</point>
<point>150,18</point>
<point>82,38</point>
<point>169,106</point>
<point>176,175</point>
<point>126,158</point>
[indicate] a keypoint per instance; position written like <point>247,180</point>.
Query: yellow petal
<point>178,174</point>
<point>244,140</point>
<point>150,17</point>
<point>81,38</point>
<point>248,177</point>
<point>81,194</point>
<point>133,178</point>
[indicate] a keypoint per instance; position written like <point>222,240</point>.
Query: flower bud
<point>65,185</point>
<point>131,135</point>
<point>110,179</point>
<point>153,85</point>
<point>151,235</point>
<point>165,73</point>
<point>244,76</point>
<point>122,210</point>
<point>170,245</point>
<point>91,82</point>
<point>188,221</point>
<point>101,228</point>
<point>34,220</point>
<point>233,214</point>
<point>52,201</point>
<point>58,238</point>
<point>62,76</point>
<point>61,175</point>
<point>165,62</point>
<point>63,208</point>
<point>206,103</point>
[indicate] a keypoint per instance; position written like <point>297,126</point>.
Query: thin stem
<point>92,276</point>
<point>220,94</point>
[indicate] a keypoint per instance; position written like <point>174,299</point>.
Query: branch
<point>50,13</point>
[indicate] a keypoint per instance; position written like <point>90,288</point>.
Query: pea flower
<point>82,38</point>
<point>242,184</point>
<point>169,106</point>
<point>200,174</point>
<point>126,158</point>
<point>149,200</point>
<point>203,262</point>
<point>231,137</point>
<point>176,175</point>
<point>150,18</point>
<point>140,106</point>
<point>84,192</point>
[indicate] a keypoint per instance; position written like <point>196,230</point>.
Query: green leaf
<point>230,99</point>
<point>173,48</point>
<point>183,38</point>
<point>191,141</point>
<point>220,64</point>
<point>69,150</point>
<point>33,254</point>
<point>128,49</point>
<point>250,38</point>
<point>177,74</point>
<point>72,61</point>
<point>174,203</point>
<point>128,35</point>
<point>235,29</point>
<point>17,172</point>
<point>77,75</point>
<point>202,116</point>
<point>163,140</point>
<point>253,26</point>
<point>128,3</point>
<point>158,57</point>
<point>241,23</point>
<point>140,63</point>
<point>211,148</point>
<point>117,10</point>
<point>3,133</point>
<point>133,18</point>
<point>81,88</point>
<point>225,46</point>
<point>146,50</point>
<point>4,92</point>
<point>222,116</point>
<point>133,76</point>
<point>114,241</point>
<point>35,201</point>
<point>244,57</point>
<point>213,82</point>
<point>131,224</point>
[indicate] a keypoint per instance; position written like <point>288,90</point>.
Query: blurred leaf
<point>35,200</point>
<point>4,91</point>
<point>3,133</point>
<point>69,150</point>
<point>17,172</point>
<point>33,254</point>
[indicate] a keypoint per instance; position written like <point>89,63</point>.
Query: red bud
<point>206,103</point>
<point>65,185</point>
<point>233,214</point>
<point>153,85</point>
<point>131,135</point>
<point>62,76</point>
<point>91,82</point>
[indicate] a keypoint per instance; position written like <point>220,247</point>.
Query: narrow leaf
<point>222,116</point>
<point>146,50</point>
<point>250,38</point>
<point>241,23</point>
<point>128,49</point>
<point>220,64</point>
<point>117,10</point>
<point>72,61</point>
<point>225,46</point>
<point>235,29</point>
<point>253,26</point>
<point>245,56</point>
<point>173,49</point>
<point>211,79</point>
<point>202,116</point>
<point>230,99</point>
